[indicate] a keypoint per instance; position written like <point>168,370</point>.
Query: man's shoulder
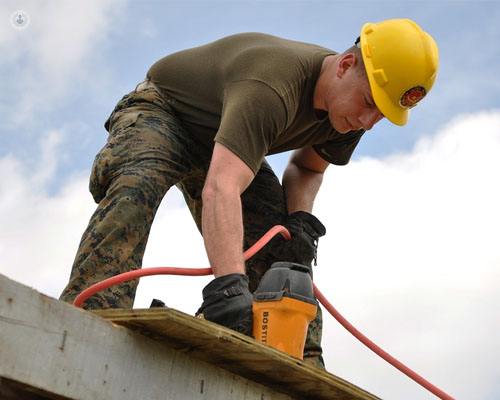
<point>271,58</point>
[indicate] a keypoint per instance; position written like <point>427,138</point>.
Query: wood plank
<point>236,353</point>
<point>12,390</point>
<point>52,350</point>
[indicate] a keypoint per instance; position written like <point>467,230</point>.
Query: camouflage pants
<point>148,151</point>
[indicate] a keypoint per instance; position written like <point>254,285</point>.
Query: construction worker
<point>204,120</point>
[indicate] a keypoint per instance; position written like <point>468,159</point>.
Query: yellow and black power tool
<point>283,306</point>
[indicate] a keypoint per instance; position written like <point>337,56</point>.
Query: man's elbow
<point>217,190</point>
<point>209,192</point>
<point>308,160</point>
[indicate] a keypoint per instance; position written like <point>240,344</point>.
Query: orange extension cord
<point>246,255</point>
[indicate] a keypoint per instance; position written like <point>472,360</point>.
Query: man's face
<point>350,103</point>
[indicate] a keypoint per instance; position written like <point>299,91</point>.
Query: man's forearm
<point>301,186</point>
<point>223,232</point>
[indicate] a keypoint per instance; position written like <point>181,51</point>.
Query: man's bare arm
<point>222,222</point>
<point>302,179</point>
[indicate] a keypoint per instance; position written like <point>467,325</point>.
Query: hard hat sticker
<point>412,96</point>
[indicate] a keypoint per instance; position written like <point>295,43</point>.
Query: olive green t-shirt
<point>253,93</point>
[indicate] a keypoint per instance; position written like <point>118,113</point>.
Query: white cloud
<point>174,242</point>
<point>59,53</point>
<point>411,256</point>
<point>39,231</point>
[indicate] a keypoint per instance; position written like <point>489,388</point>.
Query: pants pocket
<point>121,120</point>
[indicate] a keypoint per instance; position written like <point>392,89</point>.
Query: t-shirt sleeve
<point>339,150</point>
<point>253,116</point>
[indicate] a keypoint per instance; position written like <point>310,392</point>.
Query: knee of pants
<point>134,204</point>
<point>127,211</point>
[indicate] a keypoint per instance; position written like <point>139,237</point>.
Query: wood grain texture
<point>235,352</point>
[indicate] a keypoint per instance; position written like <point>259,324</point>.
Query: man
<point>205,118</point>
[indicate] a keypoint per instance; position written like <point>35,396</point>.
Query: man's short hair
<point>360,64</point>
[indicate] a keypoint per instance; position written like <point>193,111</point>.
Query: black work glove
<point>305,229</point>
<point>227,301</point>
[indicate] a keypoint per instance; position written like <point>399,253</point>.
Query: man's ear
<point>347,61</point>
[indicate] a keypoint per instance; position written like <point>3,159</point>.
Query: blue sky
<point>413,256</point>
<point>128,37</point>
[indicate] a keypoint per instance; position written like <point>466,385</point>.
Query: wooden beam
<point>52,350</point>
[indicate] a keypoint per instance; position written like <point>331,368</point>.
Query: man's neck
<point>325,77</point>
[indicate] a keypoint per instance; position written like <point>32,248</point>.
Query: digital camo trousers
<point>148,151</point>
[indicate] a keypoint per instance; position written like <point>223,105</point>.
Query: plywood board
<point>237,353</point>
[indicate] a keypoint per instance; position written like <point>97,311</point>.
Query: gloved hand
<point>227,301</point>
<point>305,229</point>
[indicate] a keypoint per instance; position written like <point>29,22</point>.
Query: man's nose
<point>370,118</point>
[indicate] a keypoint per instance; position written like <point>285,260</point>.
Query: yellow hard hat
<point>401,61</point>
